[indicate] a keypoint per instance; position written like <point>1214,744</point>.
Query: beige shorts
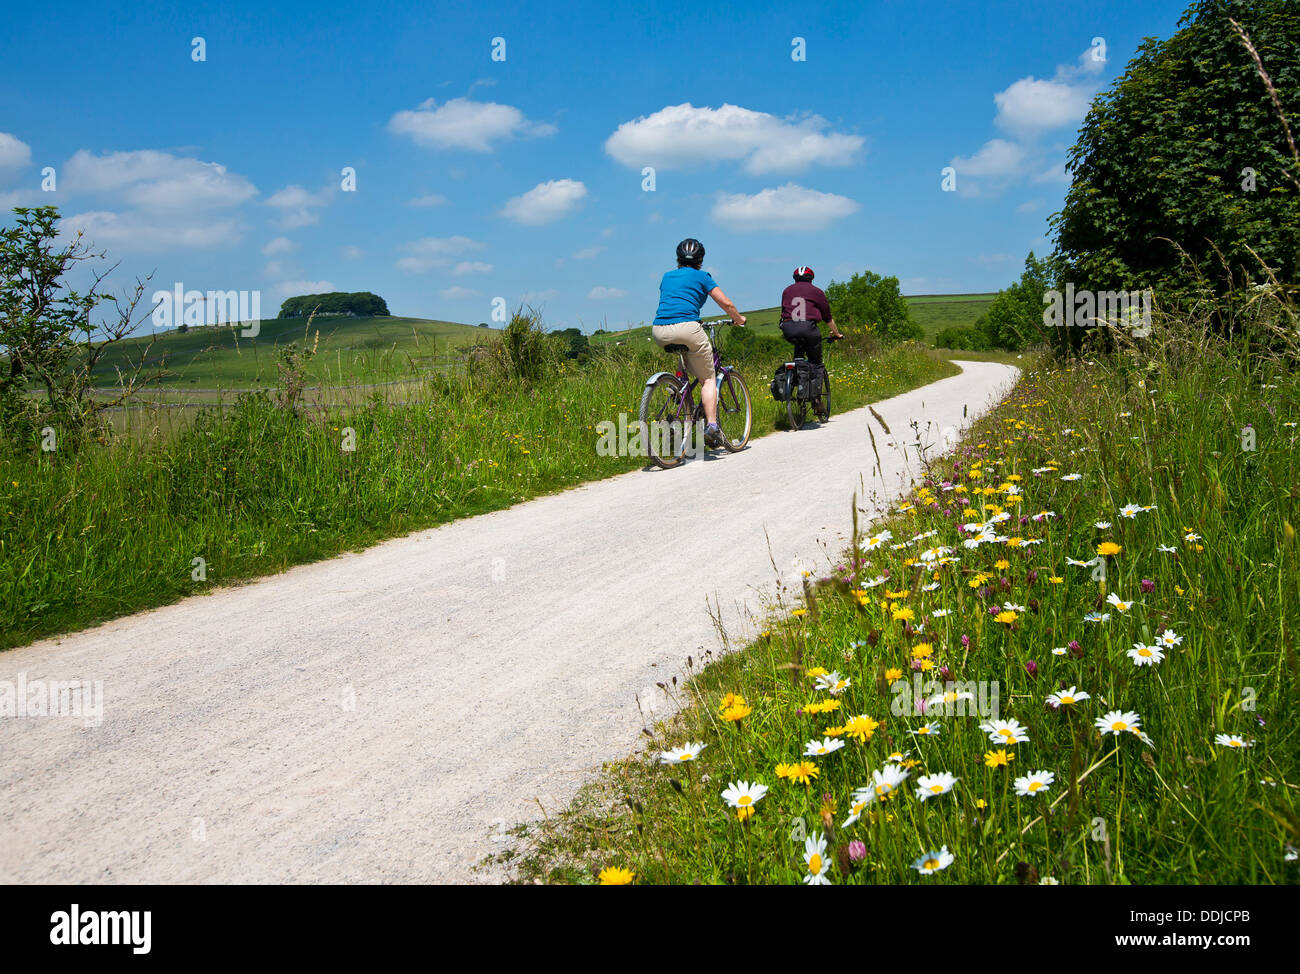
<point>699,353</point>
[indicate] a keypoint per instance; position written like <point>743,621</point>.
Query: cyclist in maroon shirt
<point>803,305</point>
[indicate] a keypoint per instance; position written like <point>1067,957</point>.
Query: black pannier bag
<point>779,383</point>
<point>810,381</point>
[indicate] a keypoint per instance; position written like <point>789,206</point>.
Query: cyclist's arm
<point>725,304</point>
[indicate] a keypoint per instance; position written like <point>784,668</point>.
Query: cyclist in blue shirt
<point>682,293</point>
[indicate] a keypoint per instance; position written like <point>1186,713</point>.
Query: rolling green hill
<point>350,350</point>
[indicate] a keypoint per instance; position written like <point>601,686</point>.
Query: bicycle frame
<point>687,395</point>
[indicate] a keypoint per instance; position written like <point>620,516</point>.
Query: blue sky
<point>522,178</point>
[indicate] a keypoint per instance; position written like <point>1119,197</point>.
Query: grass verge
<point>1068,656</point>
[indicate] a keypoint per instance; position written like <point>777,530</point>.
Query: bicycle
<point>796,403</point>
<point>669,410</point>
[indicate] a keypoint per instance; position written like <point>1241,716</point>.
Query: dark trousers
<point>806,337</point>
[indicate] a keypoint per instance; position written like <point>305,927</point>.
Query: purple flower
<point>1032,669</point>
<point>916,664</point>
<point>965,641</point>
<point>1032,576</point>
<point>1148,585</point>
<point>944,672</point>
<point>857,850</point>
<point>1024,519</point>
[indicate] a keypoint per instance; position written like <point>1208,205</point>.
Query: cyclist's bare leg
<point>709,397</point>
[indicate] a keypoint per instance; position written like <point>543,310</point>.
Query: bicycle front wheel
<point>735,416</point>
<point>663,429</point>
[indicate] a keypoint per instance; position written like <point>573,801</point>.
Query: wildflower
<point>1142,655</point>
<point>1168,549</point>
<point>1005,731</point>
<point>940,613</point>
<point>737,712</point>
<point>1130,510</point>
<point>932,862</point>
<point>898,756</point>
<point>1097,616</point>
<point>923,650</point>
<point>1109,548</point>
<point>1002,564</point>
<point>1073,476</point>
<point>1012,607</point>
<point>1118,603</point>
<point>933,785</point>
<point>1066,698</point>
<point>816,748</point>
<point>815,672</point>
<point>903,615</point>
<point>802,772</point>
<point>1102,525</point>
<point>1117,721</point>
<point>1169,638</point>
<point>1059,651</point>
<point>615,876</point>
<point>1006,617</point>
<point>884,784</point>
<point>1032,669</point>
<point>892,674</point>
<point>998,759</point>
<point>687,752</point>
<point>1055,579</point>
<point>861,727</point>
<point>744,795</point>
<point>730,700</point>
<point>857,850</point>
<point>1232,740</point>
<point>814,857</point>
<point>833,682</point>
<point>1034,782</point>
<point>798,612</point>
<point>930,730</point>
<point>855,811</point>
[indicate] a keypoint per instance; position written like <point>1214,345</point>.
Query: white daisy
<point>932,862</point>
<point>1097,617</point>
<point>1232,740</point>
<point>1066,697</point>
<point>1168,549</point>
<point>817,749</point>
<point>927,730</point>
<point>940,613</point>
<point>1005,731</point>
<point>1130,510</point>
<point>1169,638</point>
<point>1143,655</point>
<point>1034,783</point>
<point>687,752</point>
<point>1102,524</point>
<point>1118,603</point>
<point>743,794</point>
<point>1060,651</point>
<point>875,542</point>
<point>1118,721</point>
<point>1073,476</point>
<point>933,785</point>
<point>884,783</point>
<point>814,857</point>
<point>833,682</point>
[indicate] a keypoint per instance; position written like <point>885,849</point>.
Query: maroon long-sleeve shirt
<point>814,305</point>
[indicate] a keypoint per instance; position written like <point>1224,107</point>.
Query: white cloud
<point>464,124</point>
<point>156,180</point>
<point>14,153</point>
<point>586,253</point>
<point>546,202</point>
<point>432,199</point>
<point>471,267</point>
<point>299,208</point>
<point>997,158</point>
<point>134,230</point>
<point>1029,206</point>
<point>290,288</point>
<point>990,259</point>
<point>601,293</point>
<point>274,268</point>
<point>1031,105</point>
<point>280,245</point>
<point>429,253</point>
<point>456,293</point>
<point>536,297</point>
<point>787,207</point>
<point>681,136</point>
<point>351,252</point>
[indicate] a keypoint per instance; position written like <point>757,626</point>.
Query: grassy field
<point>350,351</point>
<point>1107,566</point>
<point>933,312</point>
<point>253,489</point>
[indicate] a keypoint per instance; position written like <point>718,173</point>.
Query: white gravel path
<point>376,717</point>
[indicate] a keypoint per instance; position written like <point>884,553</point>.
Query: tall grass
<point>253,488</point>
<point>1204,438</point>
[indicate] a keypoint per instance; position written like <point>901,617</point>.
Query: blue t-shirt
<point>681,295</point>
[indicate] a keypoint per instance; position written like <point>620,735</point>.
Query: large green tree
<point>1186,165</point>
<point>869,301</point>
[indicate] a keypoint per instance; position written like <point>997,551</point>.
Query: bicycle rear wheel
<point>735,416</point>
<point>824,401</point>
<point>663,429</point>
<point>796,408</point>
